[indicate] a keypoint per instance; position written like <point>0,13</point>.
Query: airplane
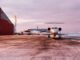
<point>45,32</point>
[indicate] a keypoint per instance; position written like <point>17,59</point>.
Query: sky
<point>33,13</point>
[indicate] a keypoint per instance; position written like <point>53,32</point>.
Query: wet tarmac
<point>23,47</point>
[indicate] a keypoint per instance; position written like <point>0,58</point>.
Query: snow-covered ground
<point>23,47</point>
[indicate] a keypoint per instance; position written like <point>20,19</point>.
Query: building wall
<point>6,28</point>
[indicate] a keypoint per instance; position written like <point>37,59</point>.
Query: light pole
<point>15,23</point>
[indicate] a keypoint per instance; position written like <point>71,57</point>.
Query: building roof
<point>3,16</point>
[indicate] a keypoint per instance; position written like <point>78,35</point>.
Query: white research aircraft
<point>45,31</point>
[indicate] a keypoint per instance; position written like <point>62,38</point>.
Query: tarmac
<point>34,47</point>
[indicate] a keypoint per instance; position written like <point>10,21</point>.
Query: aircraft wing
<point>65,35</point>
